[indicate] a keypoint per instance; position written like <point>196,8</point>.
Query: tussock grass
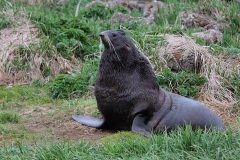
<point>179,144</point>
<point>24,55</point>
<point>217,71</point>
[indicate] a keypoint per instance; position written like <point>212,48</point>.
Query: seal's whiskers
<point>111,46</point>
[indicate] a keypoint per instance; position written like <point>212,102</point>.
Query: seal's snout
<point>104,37</point>
<point>101,34</point>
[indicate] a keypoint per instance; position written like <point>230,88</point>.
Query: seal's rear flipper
<point>91,121</point>
<point>140,127</point>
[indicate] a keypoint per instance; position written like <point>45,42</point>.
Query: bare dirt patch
<point>59,126</point>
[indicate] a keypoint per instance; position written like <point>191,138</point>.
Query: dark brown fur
<point>129,97</point>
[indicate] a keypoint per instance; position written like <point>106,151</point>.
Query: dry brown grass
<point>214,68</point>
<point>16,45</point>
<point>41,2</point>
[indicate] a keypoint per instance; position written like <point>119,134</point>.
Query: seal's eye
<point>114,34</point>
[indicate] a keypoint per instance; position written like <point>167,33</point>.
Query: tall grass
<point>180,144</point>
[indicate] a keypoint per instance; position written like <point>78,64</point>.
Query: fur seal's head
<point>115,39</point>
<point>120,48</point>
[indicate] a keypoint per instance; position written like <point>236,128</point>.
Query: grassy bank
<point>180,144</point>
<point>35,119</point>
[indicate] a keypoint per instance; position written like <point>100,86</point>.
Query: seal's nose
<point>101,34</point>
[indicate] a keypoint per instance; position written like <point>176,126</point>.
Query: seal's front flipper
<point>91,121</point>
<point>140,127</point>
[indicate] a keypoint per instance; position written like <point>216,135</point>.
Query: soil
<point>59,126</point>
<point>53,124</point>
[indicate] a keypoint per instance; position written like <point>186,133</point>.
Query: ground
<point>49,122</point>
<point>60,126</point>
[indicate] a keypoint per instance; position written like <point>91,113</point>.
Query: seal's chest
<point>118,114</point>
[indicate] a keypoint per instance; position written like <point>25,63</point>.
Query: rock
<point>149,20</point>
<point>128,4</point>
<point>152,8</point>
<point>211,36</point>
<point>149,10</point>
<point>132,5</point>
<point>196,20</point>
<point>120,17</point>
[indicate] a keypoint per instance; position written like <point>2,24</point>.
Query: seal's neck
<point>132,63</point>
<point>120,56</point>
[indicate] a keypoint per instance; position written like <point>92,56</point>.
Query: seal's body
<point>129,97</point>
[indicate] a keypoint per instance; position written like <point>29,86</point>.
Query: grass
<point>5,23</point>
<point>180,144</point>
<point>11,133</point>
<point>22,107</point>
<point>83,105</point>
<point>49,105</point>
<point>10,117</point>
<point>184,83</point>
<point>18,96</point>
<point>75,85</point>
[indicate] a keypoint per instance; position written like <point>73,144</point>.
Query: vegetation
<point>20,96</point>
<point>35,119</point>
<point>180,144</point>
<point>183,83</point>
<point>235,83</point>
<point>8,117</point>
<point>70,86</point>
<point>4,23</point>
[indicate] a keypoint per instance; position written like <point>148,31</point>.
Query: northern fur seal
<point>129,97</point>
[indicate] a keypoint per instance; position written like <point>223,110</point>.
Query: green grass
<point>5,23</point>
<point>63,33</point>
<point>180,144</point>
<point>19,96</point>
<point>184,83</point>
<point>78,36</point>
<point>6,116</point>
<point>72,86</point>
<point>83,105</point>
<point>13,132</point>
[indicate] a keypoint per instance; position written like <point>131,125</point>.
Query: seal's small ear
<point>128,47</point>
<point>121,31</point>
<point>140,127</point>
<point>127,44</point>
